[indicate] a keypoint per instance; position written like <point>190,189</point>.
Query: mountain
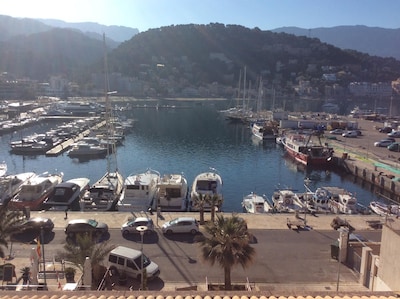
<point>372,40</point>
<point>116,33</point>
<point>11,27</point>
<point>53,52</point>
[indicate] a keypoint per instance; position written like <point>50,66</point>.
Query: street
<point>282,256</point>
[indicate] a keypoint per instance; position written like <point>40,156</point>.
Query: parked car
<point>350,134</point>
<point>181,225</point>
<point>337,132</point>
<point>359,133</point>
<point>36,224</point>
<point>394,147</point>
<point>130,227</point>
<point>394,134</point>
<point>82,226</point>
<point>383,143</point>
<point>385,130</point>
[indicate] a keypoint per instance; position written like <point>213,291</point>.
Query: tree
<point>199,202</point>
<point>9,223</point>
<point>87,246</point>
<point>226,242</point>
<point>215,202</point>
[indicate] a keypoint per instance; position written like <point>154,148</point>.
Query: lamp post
<point>141,229</point>
<point>44,261</point>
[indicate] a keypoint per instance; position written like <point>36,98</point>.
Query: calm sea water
<point>190,140</point>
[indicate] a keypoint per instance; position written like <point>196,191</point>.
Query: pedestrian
<point>66,213</point>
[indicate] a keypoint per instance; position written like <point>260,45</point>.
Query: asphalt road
<point>282,256</point>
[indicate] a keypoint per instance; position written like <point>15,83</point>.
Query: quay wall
<point>383,182</point>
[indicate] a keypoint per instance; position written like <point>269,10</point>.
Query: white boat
<point>264,131</point>
<point>286,201</point>
<point>208,184</point>
<point>10,185</point>
<point>256,204</point>
<point>172,193</point>
<point>35,191</point>
<point>384,209</point>
<point>139,191</point>
<point>104,194</point>
<point>341,201</point>
<point>318,201</point>
<point>67,195</point>
<point>3,168</point>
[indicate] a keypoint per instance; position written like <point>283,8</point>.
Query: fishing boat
<point>67,195</point>
<point>139,191</point>
<point>172,193</point>
<point>104,194</point>
<point>286,201</point>
<point>208,184</point>
<point>303,150</point>
<point>35,191</point>
<point>264,130</point>
<point>318,201</point>
<point>256,204</point>
<point>341,201</point>
<point>10,185</point>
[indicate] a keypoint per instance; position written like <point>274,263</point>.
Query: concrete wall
<point>389,261</point>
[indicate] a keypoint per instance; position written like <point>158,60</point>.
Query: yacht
<point>35,191</point>
<point>67,195</point>
<point>10,185</point>
<point>256,204</point>
<point>341,201</point>
<point>172,193</point>
<point>208,184</point>
<point>139,191</point>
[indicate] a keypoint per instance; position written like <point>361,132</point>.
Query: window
<point>131,264</point>
<point>112,258</point>
<point>121,261</point>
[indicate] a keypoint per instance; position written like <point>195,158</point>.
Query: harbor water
<point>189,138</point>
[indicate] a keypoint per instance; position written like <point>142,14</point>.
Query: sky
<point>264,14</point>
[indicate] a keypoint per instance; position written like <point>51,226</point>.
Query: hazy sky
<point>264,14</point>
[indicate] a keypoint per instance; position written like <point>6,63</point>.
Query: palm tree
<point>9,222</point>
<point>199,202</point>
<point>215,201</point>
<point>87,246</point>
<point>227,243</point>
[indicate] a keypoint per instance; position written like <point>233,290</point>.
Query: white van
<point>127,260</point>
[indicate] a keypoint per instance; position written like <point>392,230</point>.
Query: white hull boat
<point>139,191</point>
<point>208,184</point>
<point>172,193</point>
<point>10,185</point>
<point>256,204</point>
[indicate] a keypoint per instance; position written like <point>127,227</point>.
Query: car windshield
<point>146,261</point>
<point>92,222</point>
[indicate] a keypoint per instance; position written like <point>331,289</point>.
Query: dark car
<point>385,130</point>
<point>36,224</point>
<point>86,226</point>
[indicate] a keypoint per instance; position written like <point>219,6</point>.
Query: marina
<point>186,141</point>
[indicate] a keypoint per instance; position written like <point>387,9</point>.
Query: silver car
<point>181,225</point>
<point>130,227</point>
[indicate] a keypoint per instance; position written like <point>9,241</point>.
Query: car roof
<point>144,219</point>
<point>185,219</point>
<point>80,221</point>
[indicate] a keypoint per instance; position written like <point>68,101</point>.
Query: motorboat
<point>35,191</point>
<point>301,148</point>
<point>10,185</point>
<point>208,184</point>
<point>264,131</point>
<point>139,191</point>
<point>172,193</point>
<point>286,201</point>
<point>384,209</point>
<point>82,149</point>
<point>318,201</point>
<point>341,201</point>
<point>67,195</point>
<point>35,144</point>
<point>256,204</point>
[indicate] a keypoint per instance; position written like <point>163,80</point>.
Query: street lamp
<point>142,229</point>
